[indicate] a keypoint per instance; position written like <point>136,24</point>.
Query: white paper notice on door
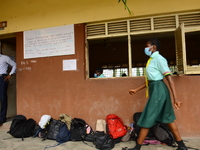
<point>69,65</point>
<point>48,42</point>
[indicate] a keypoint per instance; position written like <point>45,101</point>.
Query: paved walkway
<point>7,142</point>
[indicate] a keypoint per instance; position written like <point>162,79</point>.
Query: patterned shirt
<point>157,68</point>
<point>4,62</point>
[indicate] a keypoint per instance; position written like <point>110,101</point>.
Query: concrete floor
<point>7,142</point>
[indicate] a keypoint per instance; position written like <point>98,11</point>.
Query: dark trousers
<point>3,98</point>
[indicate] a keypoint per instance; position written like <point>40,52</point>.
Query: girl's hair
<point>155,42</point>
<point>100,70</point>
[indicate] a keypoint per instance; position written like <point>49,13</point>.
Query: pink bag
<point>153,142</point>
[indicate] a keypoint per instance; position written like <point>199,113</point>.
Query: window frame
<point>181,57</point>
<point>154,24</point>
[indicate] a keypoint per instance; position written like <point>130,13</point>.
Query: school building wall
<point>44,88</point>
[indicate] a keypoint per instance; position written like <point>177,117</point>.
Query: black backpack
<point>58,131</point>
<point>53,129</point>
<point>162,133</point>
<point>22,127</point>
<point>136,117</point>
<point>103,141</point>
<point>78,129</point>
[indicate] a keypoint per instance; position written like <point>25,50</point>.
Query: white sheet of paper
<point>47,42</point>
<point>69,64</point>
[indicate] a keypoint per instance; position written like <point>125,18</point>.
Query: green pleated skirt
<point>159,106</point>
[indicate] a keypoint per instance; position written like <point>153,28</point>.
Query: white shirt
<point>4,62</point>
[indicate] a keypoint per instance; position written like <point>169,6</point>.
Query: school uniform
<point>101,76</point>
<point>159,106</point>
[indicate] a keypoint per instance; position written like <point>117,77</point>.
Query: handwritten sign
<point>47,42</point>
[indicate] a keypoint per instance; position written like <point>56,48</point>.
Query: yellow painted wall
<point>24,15</point>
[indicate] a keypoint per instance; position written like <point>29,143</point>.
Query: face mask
<point>147,52</point>
<point>95,75</point>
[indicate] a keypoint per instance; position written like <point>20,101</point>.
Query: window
<point>111,54</point>
<point>188,55</point>
<point>118,46</point>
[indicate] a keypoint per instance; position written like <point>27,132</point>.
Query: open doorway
<point>8,47</point>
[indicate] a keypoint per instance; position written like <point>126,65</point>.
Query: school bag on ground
<point>101,125</point>
<point>162,133</point>
<point>53,129</point>
<point>60,130</point>
<point>89,136</point>
<point>158,132</point>
<point>136,117</point>
<point>66,119</point>
<point>115,127</point>
<point>78,129</point>
<point>103,141</point>
<point>22,127</point>
<point>129,135</point>
<point>36,131</point>
<point>63,134</point>
<point>42,128</point>
<point>41,132</point>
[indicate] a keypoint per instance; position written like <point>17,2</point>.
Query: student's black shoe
<point>182,148</point>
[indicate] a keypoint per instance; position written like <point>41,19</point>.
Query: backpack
<point>63,134</point>
<point>115,127</point>
<point>22,127</point>
<point>66,119</point>
<point>129,135</point>
<point>78,129</point>
<point>58,131</point>
<point>43,132</point>
<point>88,129</point>
<point>101,125</point>
<point>53,129</point>
<point>36,131</point>
<point>103,141</point>
<point>162,133</point>
<point>89,136</point>
<point>136,117</point>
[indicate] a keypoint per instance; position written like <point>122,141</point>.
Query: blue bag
<point>63,134</point>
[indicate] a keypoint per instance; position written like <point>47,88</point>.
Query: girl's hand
<point>177,104</point>
<point>133,91</point>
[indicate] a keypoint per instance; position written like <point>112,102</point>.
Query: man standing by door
<point>5,61</point>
